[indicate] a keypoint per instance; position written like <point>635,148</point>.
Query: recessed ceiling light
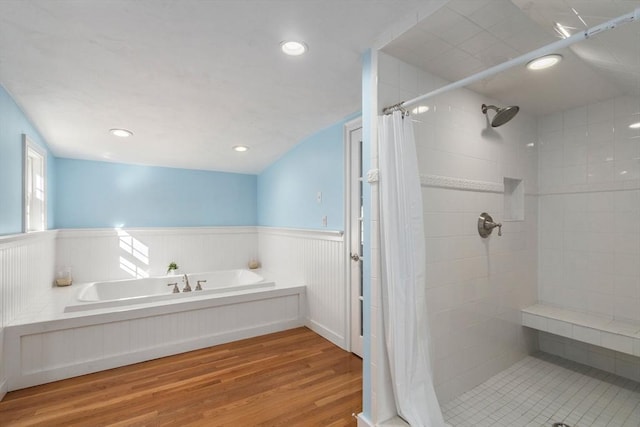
<point>544,62</point>
<point>635,125</point>
<point>122,133</point>
<point>420,109</point>
<point>293,48</point>
<point>240,148</point>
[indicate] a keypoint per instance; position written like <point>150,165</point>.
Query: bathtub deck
<point>50,344</point>
<point>293,377</point>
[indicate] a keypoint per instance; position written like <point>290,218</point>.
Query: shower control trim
<point>486,225</point>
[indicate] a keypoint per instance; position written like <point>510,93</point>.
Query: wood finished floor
<point>291,378</point>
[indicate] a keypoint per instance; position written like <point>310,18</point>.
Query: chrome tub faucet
<point>187,288</point>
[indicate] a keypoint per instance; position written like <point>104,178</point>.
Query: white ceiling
<point>190,78</point>
<point>468,36</point>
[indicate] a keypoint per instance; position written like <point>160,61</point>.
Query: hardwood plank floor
<point>290,378</point>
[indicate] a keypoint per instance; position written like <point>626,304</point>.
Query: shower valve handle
<point>486,225</point>
<point>499,225</point>
<point>490,225</point>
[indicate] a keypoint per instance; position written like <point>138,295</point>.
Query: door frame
<point>349,127</point>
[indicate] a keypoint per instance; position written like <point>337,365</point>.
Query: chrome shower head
<point>503,115</point>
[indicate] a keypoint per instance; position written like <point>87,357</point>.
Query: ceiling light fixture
<point>544,62</point>
<point>635,125</point>
<point>240,148</point>
<point>293,48</point>
<point>122,133</point>
<point>563,30</point>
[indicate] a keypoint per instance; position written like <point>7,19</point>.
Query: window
<point>35,187</point>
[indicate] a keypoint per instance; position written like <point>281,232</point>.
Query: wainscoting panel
<point>112,254</point>
<point>48,351</point>
<point>314,259</point>
<point>26,270</point>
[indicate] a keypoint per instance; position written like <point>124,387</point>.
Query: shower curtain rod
<point>545,50</point>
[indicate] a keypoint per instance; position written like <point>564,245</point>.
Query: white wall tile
<point>587,335</point>
<point>575,117</point>
<point>550,123</point>
<point>474,285</point>
<point>600,111</point>
<point>586,221</point>
<point>600,230</point>
<point>577,174</point>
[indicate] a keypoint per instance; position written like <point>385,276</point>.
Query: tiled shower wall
<point>589,168</point>
<point>476,287</point>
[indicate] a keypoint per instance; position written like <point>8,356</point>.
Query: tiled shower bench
<point>597,330</point>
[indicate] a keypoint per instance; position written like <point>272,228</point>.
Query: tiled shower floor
<point>541,390</point>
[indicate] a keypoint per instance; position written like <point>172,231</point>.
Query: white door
<point>355,235</point>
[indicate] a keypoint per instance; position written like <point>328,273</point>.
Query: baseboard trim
<point>327,334</point>
<point>363,421</point>
<point>394,422</point>
<point>3,389</point>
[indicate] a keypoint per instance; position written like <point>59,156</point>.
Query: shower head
<point>503,115</point>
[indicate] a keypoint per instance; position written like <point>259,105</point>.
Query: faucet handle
<point>198,286</point>
<point>175,287</point>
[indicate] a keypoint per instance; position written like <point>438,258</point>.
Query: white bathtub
<point>120,293</point>
<point>129,321</point>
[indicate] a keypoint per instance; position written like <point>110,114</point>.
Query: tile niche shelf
<point>513,199</point>
<point>601,331</point>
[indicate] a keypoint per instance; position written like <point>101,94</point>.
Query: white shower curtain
<point>403,274</point>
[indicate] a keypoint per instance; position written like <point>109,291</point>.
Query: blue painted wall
<point>288,188</point>
<point>99,194</point>
<point>89,194</point>
<point>14,123</point>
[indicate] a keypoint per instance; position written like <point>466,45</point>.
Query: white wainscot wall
<point>46,351</point>
<point>112,254</point>
<point>316,260</point>
<point>26,270</point>
<point>40,352</point>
